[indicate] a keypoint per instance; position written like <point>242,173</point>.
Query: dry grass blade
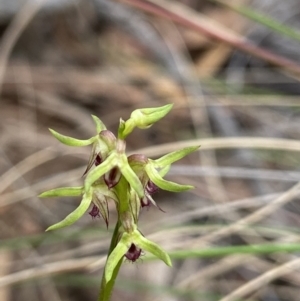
<point>254,217</point>
<point>31,162</point>
<point>226,143</point>
<point>21,194</point>
<point>222,266</point>
<point>263,280</point>
<point>14,31</point>
<point>220,209</point>
<point>187,17</point>
<point>24,166</point>
<point>50,269</point>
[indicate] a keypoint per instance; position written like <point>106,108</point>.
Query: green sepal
<point>156,178</point>
<point>174,156</point>
<point>130,176</point>
<point>71,141</point>
<point>151,247</point>
<point>62,191</point>
<point>100,126</point>
<point>76,214</point>
<point>100,170</point>
<point>115,256</point>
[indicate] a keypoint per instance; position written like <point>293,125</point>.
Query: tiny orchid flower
<point>98,195</point>
<point>116,159</point>
<point>151,172</point>
<point>104,142</point>
<point>125,248</point>
<point>143,119</point>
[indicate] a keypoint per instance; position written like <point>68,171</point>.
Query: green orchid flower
<point>130,246</point>
<point>116,159</point>
<point>98,195</point>
<point>156,169</point>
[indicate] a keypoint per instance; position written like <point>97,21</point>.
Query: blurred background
<point>231,68</point>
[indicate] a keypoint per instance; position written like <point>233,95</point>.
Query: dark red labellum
<point>151,188</point>
<point>112,177</point>
<point>133,253</point>
<point>94,212</point>
<point>98,160</point>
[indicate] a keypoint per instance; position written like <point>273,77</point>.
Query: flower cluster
<point>128,181</point>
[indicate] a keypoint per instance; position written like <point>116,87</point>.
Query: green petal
<point>151,247</point>
<point>130,176</point>
<point>62,191</point>
<point>163,184</point>
<point>100,170</point>
<point>115,256</point>
<point>174,156</point>
<point>76,214</point>
<point>71,141</point>
<point>100,126</point>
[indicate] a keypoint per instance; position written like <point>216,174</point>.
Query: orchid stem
<point>107,287</point>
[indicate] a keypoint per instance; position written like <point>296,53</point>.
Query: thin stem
<point>107,287</point>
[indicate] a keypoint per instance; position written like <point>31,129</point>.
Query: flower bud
<point>144,118</point>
